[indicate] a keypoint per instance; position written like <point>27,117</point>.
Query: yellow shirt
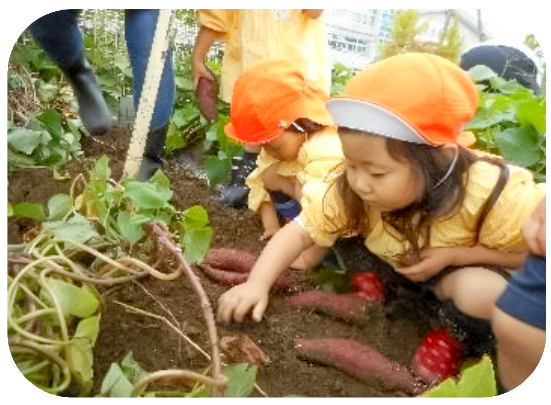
<point>259,34</point>
<point>317,158</point>
<point>500,231</point>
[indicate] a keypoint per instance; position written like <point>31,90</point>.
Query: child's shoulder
<point>326,138</point>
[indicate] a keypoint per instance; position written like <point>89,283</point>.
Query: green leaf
<point>174,139</point>
<point>52,121</point>
<point>45,92</point>
<point>183,115</point>
<point>10,210</point>
<point>88,328</point>
<point>75,301</point>
<point>59,205</point>
<point>241,379</point>
<point>128,228</point>
<point>101,170</point>
<point>29,210</point>
<point>76,229</point>
<point>115,383</point>
<point>151,195</point>
<point>519,145</point>
<point>183,83</point>
<point>481,73</point>
<point>218,171</point>
<point>196,243</point>
<point>476,381</point>
<point>532,112</point>
<point>132,369</point>
<point>195,216</point>
<point>25,140</point>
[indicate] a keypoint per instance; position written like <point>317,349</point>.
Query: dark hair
<point>307,124</point>
<point>430,164</point>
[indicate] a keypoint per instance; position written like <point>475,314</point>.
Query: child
<point>254,35</point>
<point>275,107</point>
<point>518,320</point>
<point>410,189</point>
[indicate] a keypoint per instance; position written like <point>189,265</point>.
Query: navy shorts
<point>524,298</point>
<point>285,206</point>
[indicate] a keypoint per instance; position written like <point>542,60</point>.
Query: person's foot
<point>93,109</point>
<point>236,192</point>
<point>154,152</point>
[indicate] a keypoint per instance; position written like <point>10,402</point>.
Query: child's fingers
<point>259,310</point>
<point>226,305</point>
<point>532,236</point>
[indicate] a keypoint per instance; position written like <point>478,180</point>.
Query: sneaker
<point>235,194</point>
<point>368,286</point>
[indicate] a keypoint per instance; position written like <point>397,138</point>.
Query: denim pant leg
<point>141,21</point>
<point>58,34</point>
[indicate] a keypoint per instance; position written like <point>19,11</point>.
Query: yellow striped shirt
<point>259,34</point>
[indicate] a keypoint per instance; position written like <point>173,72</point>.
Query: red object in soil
<point>439,357</point>
<point>207,95</point>
<point>368,286</point>
<point>239,261</point>
<point>348,307</point>
<point>358,360</point>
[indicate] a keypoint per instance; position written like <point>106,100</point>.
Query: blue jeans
<point>58,34</point>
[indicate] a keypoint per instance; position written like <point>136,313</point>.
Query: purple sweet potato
<point>348,307</point>
<point>239,261</point>
<point>207,94</point>
<point>232,278</point>
<point>358,360</point>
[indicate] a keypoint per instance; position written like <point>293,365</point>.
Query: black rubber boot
<point>93,109</point>
<point>154,152</point>
<point>236,192</point>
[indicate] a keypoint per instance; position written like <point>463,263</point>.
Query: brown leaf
<point>242,349</point>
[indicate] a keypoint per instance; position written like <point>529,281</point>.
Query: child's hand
<point>533,230</point>
<point>269,231</point>
<point>234,304</point>
<point>433,261</point>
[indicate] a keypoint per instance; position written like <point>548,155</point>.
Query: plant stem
<point>178,374</point>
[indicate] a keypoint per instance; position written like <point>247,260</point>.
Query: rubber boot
<point>236,192</point>
<point>154,152</point>
<point>93,109</point>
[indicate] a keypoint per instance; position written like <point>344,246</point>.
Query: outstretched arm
<point>533,230</point>
<point>281,251</point>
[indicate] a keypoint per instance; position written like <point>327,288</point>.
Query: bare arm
<point>312,8</point>
<point>270,221</point>
<point>281,251</point>
<point>205,38</point>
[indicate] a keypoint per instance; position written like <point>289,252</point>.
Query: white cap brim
<point>364,116</point>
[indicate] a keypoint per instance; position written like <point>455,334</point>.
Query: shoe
<point>440,356</point>
<point>236,192</point>
<point>153,155</point>
<point>368,286</point>
<point>93,109</point>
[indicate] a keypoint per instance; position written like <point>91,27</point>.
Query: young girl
<point>274,106</point>
<point>410,189</point>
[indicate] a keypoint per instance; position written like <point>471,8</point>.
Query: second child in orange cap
<point>273,106</point>
<point>438,214</point>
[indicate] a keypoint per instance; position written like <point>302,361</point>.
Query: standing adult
<point>58,34</point>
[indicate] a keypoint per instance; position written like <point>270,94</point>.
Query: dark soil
<point>394,329</point>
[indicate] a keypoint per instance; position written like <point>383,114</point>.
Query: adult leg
<point>140,30</point>
<point>58,34</point>
<point>235,193</point>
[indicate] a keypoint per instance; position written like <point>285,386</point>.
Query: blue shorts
<point>285,206</point>
<point>524,298</point>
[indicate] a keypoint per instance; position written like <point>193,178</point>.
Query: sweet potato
<point>207,95</point>
<point>232,278</point>
<point>239,261</point>
<point>358,360</point>
<point>347,307</point>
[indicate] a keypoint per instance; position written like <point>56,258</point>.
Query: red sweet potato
<point>358,360</point>
<point>232,278</point>
<point>207,94</point>
<point>348,307</point>
<point>239,261</point>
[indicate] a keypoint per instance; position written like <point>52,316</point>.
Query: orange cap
<point>413,97</point>
<point>268,97</point>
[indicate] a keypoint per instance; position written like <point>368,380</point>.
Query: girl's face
<point>286,146</point>
<point>382,182</point>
